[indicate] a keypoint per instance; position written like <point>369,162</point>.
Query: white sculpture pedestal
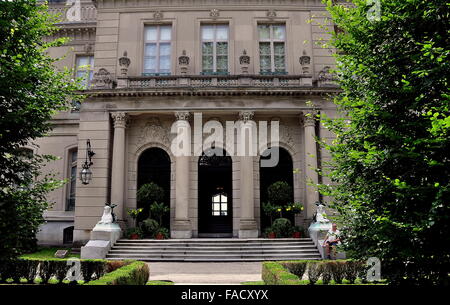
<point>103,236</point>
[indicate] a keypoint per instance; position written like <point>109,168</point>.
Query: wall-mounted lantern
<point>86,173</point>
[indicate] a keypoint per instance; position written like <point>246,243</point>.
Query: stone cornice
<point>313,91</point>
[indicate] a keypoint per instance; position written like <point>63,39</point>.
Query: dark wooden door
<point>215,207</point>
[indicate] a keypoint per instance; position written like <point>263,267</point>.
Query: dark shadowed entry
<point>283,171</point>
<point>215,194</point>
<point>154,166</point>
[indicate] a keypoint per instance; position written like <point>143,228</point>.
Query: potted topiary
<point>282,227</point>
<point>162,233</point>
<point>134,233</point>
<point>269,232</point>
<point>298,232</point>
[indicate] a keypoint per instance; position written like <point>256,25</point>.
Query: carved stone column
<point>312,196</point>
<point>182,225</point>
<point>247,224</point>
<point>118,163</point>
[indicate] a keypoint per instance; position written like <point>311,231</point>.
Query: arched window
<point>220,205</point>
<point>72,177</point>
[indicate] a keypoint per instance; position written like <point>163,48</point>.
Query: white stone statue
<point>107,216</point>
<point>321,216</point>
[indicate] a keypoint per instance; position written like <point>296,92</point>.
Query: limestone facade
<point>128,111</point>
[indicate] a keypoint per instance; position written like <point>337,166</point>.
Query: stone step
<point>217,249</point>
<point>117,251</point>
<point>214,250</point>
<point>259,259</point>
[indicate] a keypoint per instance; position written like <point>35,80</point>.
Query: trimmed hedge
<point>275,274</point>
<point>135,273</point>
<point>291,272</point>
<point>45,270</point>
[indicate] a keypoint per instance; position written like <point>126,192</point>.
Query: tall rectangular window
<point>157,50</point>
<point>272,48</point>
<point>85,68</point>
<point>73,156</point>
<point>214,48</point>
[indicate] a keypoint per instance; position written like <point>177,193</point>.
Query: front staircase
<point>214,250</point>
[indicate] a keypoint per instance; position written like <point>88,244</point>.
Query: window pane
<point>265,63</point>
<point>150,49</point>
<point>207,63</point>
<point>216,198</point>
<point>222,32</point>
<point>222,48</point>
<point>278,48</point>
<point>264,31</point>
<point>224,198</point>
<point>207,32</point>
<point>164,63</point>
<point>224,207</point>
<point>164,49</point>
<point>279,63</point>
<point>207,48</point>
<point>74,156</point>
<point>264,48</point>
<point>151,33</point>
<point>83,61</point>
<point>150,65</point>
<point>165,32</point>
<point>279,32</point>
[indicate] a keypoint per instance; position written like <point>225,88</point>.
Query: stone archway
<point>215,194</point>
<point>283,171</point>
<point>154,165</point>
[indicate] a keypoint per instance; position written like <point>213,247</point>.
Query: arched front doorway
<point>154,166</point>
<point>215,194</point>
<point>283,171</point>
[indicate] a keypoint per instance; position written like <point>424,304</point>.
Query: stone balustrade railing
<point>215,81</point>
<point>86,12</point>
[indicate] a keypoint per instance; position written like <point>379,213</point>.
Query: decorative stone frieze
<point>246,115</point>
<point>103,79</point>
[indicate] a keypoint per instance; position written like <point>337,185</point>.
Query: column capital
<point>182,115</point>
<point>308,118</point>
<point>120,119</point>
<point>246,115</point>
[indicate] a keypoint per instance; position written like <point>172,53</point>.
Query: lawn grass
<point>253,283</point>
<point>48,253</point>
<point>159,283</point>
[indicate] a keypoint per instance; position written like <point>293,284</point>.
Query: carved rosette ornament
<point>158,15</point>
<point>214,13</point>
<point>103,79</point>
<point>124,63</point>
<point>120,119</point>
<point>182,115</point>
<point>183,61</point>
<point>246,115</point>
<point>305,62</point>
<point>271,14</point>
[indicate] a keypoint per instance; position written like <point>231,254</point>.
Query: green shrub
<point>135,273</point>
<point>149,227</point>
<point>282,227</point>
<point>274,273</point>
<point>314,271</point>
<point>280,193</point>
<point>159,283</point>
<point>352,270</point>
<point>61,270</point>
<point>326,272</point>
<point>337,269</point>
<point>296,267</point>
<point>32,268</point>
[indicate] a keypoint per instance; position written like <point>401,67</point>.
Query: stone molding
<point>182,115</point>
<point>246,115</point>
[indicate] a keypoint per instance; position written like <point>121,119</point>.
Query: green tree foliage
<point>391,157</point>
<point>31,91</point>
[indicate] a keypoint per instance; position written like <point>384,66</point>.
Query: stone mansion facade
<point>151,63</point>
